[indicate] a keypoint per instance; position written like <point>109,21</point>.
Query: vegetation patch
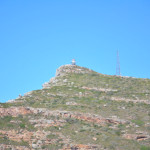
<point>143,147</point>
<point>138,122</point>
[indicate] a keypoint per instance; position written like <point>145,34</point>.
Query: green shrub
<point>118,132</point>
<point>138,122</point>
<point>43,146</point>
<point>145,147</point>
<point>22,125</point>
<point>82,130</point>
<point>7,118</point>
<point>52,136</point>
<point>5,122</point>
<point>23,143</point>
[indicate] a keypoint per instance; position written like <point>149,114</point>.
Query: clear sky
<point>38,36</point>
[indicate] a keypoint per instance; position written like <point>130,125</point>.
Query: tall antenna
<point>118,73</point>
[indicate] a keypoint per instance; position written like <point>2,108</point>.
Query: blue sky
<point>38,36</point>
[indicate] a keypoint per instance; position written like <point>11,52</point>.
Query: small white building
<point>73,62</point>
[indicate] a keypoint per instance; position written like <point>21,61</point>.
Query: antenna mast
<point>118,73</point>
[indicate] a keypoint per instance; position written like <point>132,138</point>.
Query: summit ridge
<point>64,70</point>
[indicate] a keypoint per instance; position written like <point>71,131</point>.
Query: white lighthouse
<point>73,62</point>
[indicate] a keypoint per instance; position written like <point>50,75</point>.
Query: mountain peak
<point>72,69</point>
<point>113,111</point>
<point>65,70</point>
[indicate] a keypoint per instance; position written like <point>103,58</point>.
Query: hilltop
<point>79,109</point>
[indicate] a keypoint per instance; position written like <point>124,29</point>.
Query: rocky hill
<point>79,109</point>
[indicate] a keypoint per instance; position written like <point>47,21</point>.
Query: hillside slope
<point>79,109</point>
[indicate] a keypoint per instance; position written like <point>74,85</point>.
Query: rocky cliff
<point>79,109</point>
<point>63,71</point>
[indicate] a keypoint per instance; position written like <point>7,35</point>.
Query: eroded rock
<point>14,111</point>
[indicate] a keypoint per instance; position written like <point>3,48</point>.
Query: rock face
<point>64,70</point>
<point>71,69</point>
<point>79,109</point>
<point>14,111</point>
<point>81,147</point>
<point>138,137</point>
<point>80,116</point>
<point>16,136</point>
<point>4,147</point>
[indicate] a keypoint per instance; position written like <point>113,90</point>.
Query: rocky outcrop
<point>35,139</point>
<point>99,89</point>
<point>138,137</point>
<point>130,100</point>
<point>12,147</point>
<point>46,123</point>
<point>14,111</point>
<point>64,70</point>
<point>17,135</point>
<point>81,147</point>
<point>81,116</point>
<point>71,69</point>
